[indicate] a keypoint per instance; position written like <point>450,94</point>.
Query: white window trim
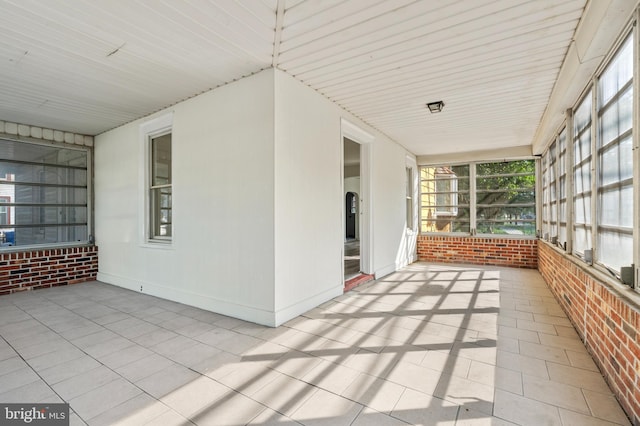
<point>410,163</point>
<point>158,126</point>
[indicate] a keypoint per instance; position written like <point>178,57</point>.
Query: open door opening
<point>351,242</point>
<point>356,205</point>
<point>352,266</point>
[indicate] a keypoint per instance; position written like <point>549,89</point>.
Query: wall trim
<point>385,270</point>
<point>283,315</point>
<point>201,301</point>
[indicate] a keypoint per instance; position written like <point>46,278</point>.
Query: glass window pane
<point>582,175</point>
<point>616,207</point>
<point>615,162</point>
<point>582,115</point>
<point>614,249</point>
<point>618,73</point>
<point>43,215</point>
<point>42,154</point>
<point>31,194</point>
<point>51,175</point>
<point>617,118</point>
<point>444,199</point>
<point>583,209</point>
<point>582,239</point>
<point>161,212</point>
<point>161,160</point>
<point>505,195</point>
<point>48,235</point>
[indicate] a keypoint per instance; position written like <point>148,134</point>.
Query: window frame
<point>563,183</point>
<point>479,204</point>
<point>156,192</point>
<point>12,205</point>
<point>152,129</point>
<point>409,204</point>
<point>600,148</point>
<point>473,203</point>
<point>585,160</point>
<point>440,215</point>
<point>617,99</point>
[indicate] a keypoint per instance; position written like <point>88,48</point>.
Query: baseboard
<point>299,308</point>
<point>208,303</point>
<point>383,272</point>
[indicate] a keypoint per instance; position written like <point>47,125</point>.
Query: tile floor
<point>431,344</point>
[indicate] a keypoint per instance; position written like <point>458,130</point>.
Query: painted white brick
<point>68,137</point>
<point>24,130</point>
<point>1,126</point>
<point>88,141</point>
<point>36,132</point>
<point>11,128</point>
<point>47,134</point>
<point>78,139</point>
<point>58,136</point>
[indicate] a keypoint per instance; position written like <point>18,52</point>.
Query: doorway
<point>351,161</point>
<point>357,250</point>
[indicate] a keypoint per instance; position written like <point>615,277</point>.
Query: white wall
<point>389,216</point>
<point>221,257</point>
<point>310,199</point>
<point>308,206</point>
<point>257,202</point>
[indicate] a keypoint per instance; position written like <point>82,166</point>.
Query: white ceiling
<point>87,66</point>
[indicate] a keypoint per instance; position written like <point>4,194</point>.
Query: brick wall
<point>605,317</point>
<point>29,270</point>
<point>518,253</point>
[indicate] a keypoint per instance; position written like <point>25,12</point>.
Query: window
<point>409,197</point>
<point>597,211</point>
<point>562,188</point>
<point>44,193</point>
<point>444,199</point>
<point>160,189</point>
<point>553,194</point>
<point>550,221</point>
<point>446,192</point>
<point>546,202</point>
<point>582,176</point>
<point>505,195</point>
<point>615,162</point>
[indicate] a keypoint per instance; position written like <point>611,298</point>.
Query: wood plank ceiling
<point>87,66</point>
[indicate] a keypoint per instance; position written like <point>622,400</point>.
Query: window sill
<point>158,244</point>
<point>20,249</point>
<point>627,294</point>
<point>483,236</point>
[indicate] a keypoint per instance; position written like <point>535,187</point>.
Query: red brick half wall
<point>606,316</point>
<point>29,270</point>
<point>512,252</point>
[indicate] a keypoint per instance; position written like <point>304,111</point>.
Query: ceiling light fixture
<point>435,106</point>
